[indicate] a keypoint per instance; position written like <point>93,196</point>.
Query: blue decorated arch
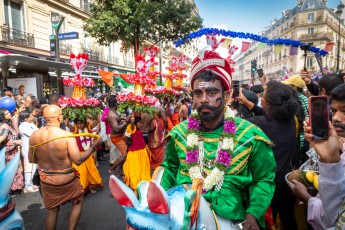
<point>228,33</point>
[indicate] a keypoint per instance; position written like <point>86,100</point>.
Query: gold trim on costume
<point>210,140</point>
<point>184,173</point>
<point>259,138</point>
<point>183,147</point>
<point>237,170</point>
<point>242,133</point>
<point>240,155</point>
<point>239,126</point>
<point>183,133</point>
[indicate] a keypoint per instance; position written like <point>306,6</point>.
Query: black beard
<point>216,111</point>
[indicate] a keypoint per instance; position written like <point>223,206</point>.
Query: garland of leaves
<point>81,112</point>
<point>138,108</point>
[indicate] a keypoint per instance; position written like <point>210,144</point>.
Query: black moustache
<point>339,125</point>
<point>206,107</point>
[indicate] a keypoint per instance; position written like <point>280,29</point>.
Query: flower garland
<point>195,151</point>
<point>86,141</point>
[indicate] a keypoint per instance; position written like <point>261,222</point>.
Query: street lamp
<point>339,11</point>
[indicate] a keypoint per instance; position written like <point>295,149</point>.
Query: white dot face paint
<point>204,84</point>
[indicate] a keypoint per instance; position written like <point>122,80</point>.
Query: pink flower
<point>192,156</point>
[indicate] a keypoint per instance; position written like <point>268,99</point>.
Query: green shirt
<point>252,170</point>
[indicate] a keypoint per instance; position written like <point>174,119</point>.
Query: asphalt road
<point>100,210</point>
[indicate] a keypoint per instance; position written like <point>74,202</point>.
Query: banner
<point>225,44</point>
<point>261,45</point>
<point>293,50</point>
<point>319,60</point>
<point>278,48</point>
<point>329,46</point>
<point>245,46</point>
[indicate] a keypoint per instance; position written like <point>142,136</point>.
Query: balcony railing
<point>129,64</point>
<point>317,36</point>
<point>113,60</point>
<point>93,55</point>
<point>17,37</point>
<point>65,48</point>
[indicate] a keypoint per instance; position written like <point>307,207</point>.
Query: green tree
<point>134,21</point>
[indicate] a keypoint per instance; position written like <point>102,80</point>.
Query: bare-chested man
<point>59,181</point>
<point>118,125</point>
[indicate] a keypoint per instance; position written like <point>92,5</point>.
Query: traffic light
<point>253,66</point>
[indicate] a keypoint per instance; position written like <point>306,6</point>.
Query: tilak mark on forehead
<point>204,84</point>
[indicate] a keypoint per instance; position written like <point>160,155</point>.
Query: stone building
<point>312,22</point>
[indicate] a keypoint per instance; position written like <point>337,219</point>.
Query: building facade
<point>312,22</point>
<point>25,44</point>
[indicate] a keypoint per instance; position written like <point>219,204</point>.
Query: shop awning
<point>27,62</point>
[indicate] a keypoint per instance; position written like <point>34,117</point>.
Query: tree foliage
<point>133,21</point>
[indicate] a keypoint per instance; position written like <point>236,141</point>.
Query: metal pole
<point>338,54</point>
<point>160,63</point>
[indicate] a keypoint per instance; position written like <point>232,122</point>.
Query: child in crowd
<point>137,165</point>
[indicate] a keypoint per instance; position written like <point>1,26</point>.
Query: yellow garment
<point>137,167</point>
<point>89,175</point>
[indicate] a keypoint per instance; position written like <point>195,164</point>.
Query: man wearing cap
<point>240,189</point>
<point>298,84</point>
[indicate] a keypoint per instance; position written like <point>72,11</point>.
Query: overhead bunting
<point>255,37</point>
<point>245,46</point>
<point>278,49</point>
<point>293,50</point>
<point>261,45</point>
<point>225,44</point>
<point>329,46</point>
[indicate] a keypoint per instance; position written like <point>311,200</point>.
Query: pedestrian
<point>54,156</point>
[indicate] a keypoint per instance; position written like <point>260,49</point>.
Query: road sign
<point>66,36</point>
<point>52,48</point>
<point>56,20</point>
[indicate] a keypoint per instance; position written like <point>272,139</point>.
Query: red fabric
<point>175,120</point>
<point>105,120</point>
<point>212,61</point>
<point>138,141</point>
<point>269,219</point>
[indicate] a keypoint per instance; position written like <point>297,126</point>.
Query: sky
<point>250,16</point>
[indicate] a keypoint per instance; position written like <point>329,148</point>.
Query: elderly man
<point>54,156</point>
<point>232,155</point>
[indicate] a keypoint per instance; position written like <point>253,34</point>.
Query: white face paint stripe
<point>204,84</point>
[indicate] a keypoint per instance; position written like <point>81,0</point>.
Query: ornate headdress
<point>211,61</point>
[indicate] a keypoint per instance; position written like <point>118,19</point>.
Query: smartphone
<point>319,117</point>
<point>260,73</point>
<point>236,88</point>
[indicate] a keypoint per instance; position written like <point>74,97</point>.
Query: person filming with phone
<point>326,210</point>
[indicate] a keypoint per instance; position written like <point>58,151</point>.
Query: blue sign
<point>68,36</point>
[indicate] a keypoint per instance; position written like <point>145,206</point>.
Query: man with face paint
<point>248,183</point>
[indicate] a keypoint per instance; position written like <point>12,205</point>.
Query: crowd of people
<point>265,131</point>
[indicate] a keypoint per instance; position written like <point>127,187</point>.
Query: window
<point>310,30</point>
<point>14,16</point>
<point>311,17</point>
<point>309,62</point>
